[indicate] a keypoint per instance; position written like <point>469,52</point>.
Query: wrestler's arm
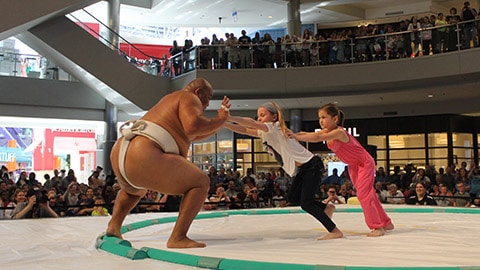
<point>248,122</point>
<point>241,129</point>
<point>194,123</point>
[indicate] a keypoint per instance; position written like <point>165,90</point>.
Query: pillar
<point>114,23</point>
<point>296,120</point>
<point>294,25</point>
<point>110,135</point>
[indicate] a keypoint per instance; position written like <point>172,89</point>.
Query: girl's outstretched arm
<point>247,122</point>
<point>241,129</point>
<point>320,136</point>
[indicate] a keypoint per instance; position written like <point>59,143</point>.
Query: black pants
<point>303,188</point>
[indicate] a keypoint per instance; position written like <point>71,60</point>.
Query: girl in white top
<point>296,160</point>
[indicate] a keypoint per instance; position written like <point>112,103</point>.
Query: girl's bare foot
<point>329,209</point>
<point>184,243</point>
<point>376,232</point>
<point>331,235</point>
<point>336,233</point>
<point>389,227</point>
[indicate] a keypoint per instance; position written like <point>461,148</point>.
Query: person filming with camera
<point>36,206</point>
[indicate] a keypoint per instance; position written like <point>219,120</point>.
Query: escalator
<point>18,16</point>
<point>44,27</point>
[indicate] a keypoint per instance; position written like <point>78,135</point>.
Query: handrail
<point>216,56</point>
<point>151,65</point>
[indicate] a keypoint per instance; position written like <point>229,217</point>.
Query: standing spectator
<point>22,179</point>
<point>94,179</point>
<point>212,174</point>
<point>452,19</point>
<point>442,34</point>
<point>414,26</point>
<point>381,176</point>
<point>244,42</point>
<point>469,31</point>
<point>448,178</point>
<point>48,182</point>
<point>474,176</point>
<point>333,179</point>
<point>67,180</point>
<point>174,51</point>
<point>282,181</point>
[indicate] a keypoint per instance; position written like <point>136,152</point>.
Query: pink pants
<point>363,176</point>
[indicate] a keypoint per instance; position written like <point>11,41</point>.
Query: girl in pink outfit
<point>361,165</point>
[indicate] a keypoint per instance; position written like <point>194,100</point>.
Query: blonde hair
<point>275,109</point>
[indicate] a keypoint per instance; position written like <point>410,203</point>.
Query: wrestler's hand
<point>224,108</point>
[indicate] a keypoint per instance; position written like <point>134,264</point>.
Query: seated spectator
<point>7,203</point>
<point>99,209</point>
<point>253,200</point>
<point>333,197</point>
<point>394,196</point>
<point>86,203</point>
<point>344,192</point>
<point>420,196</point>
<point>36,206</point>
<point>461,198</point>
<point>170,203</point>
<point>220,198</point>
<point>231,190</point>
<point>55,203</point>
<point>278,198</point>
<point>444,197</point>
<point>382,194</point>
<point>237,202</point>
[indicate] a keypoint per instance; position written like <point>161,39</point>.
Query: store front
<point>437,140</point>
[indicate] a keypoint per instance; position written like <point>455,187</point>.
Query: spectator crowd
<point>61,195</point>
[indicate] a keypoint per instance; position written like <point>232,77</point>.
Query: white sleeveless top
<point>290,150</point>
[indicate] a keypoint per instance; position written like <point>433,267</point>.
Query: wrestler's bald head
<point>199,83</point>
<point>201,88</point>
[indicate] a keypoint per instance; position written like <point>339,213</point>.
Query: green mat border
<point>124,248</point>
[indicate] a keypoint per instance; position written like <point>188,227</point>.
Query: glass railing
<point>31,66</point>
<point>147,63</point>
<point>288,54</point>
<point>383,47</point>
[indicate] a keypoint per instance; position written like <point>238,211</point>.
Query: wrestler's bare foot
<point>389,227</point>
<point>113,231</point>
<point>376,232</point>
<point>184,243</point>
<point>329,209</point>
<point>336,233</point>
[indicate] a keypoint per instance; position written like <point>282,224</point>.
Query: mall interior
<point>64,96</point>
<point>420,111</point>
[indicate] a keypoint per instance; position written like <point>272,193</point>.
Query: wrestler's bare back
<point>146,161</point>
